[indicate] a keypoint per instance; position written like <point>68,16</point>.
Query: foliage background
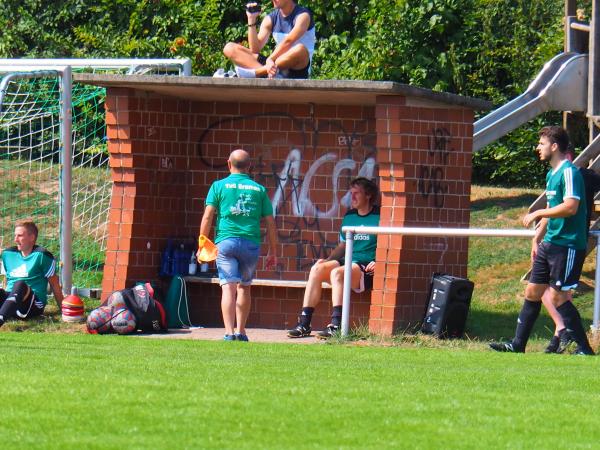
<point>490,49</point>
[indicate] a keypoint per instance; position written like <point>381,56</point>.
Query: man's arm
<point>540,231</point>
<point>256,41</point>
<point>56,290</point>
<point>272,236</point>
<point>567,208</point>
<point>207,219</point>
<point>338,252</point>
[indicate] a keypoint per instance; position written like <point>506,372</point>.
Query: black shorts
<point>366,282</point>
<point>293,74</point>
<point>560,267</point>
<point>31,306</point>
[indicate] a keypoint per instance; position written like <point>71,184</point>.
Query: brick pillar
<point>424,156</point>
<point>148,152</point>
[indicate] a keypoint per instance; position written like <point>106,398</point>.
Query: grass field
<point>61,388</point>
<point>77,391</point>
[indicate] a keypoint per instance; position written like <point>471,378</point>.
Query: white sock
<point>245,73</point>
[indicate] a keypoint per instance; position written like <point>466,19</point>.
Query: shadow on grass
<point>488,326</point>
<point>523,200</point>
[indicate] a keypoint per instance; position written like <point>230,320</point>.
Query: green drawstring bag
<point>176,304</point>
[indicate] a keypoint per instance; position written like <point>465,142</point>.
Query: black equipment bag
<point>449,302</point>
<point>149,313</point>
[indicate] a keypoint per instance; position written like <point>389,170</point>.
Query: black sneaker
<point>299,331</point>
<point>553,345</point>
<point>566,339</point>
<point>328,332</point>
<point>581,351</point>
<point>505,347</point>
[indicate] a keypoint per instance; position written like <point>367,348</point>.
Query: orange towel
<point>207,250</point>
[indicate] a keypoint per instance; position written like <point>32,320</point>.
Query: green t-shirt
<point>364,244</point>
<point>561,183</point>
<point>240,203</point>
<point>34,269</point>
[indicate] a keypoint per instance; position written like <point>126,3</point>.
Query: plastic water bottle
<point>166,263</point>
<point>193,266</point>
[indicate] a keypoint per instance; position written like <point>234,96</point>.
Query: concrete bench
<point>255,282</point>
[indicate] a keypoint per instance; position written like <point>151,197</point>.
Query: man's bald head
<point>240,160</point>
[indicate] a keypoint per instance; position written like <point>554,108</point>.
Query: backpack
<point>149,313</point>
<point>176,304</point>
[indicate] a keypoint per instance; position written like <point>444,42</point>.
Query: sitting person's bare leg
<point>319,273</point>
<point>241,56</point>
<point>296,58</point>
<point>337,297</point>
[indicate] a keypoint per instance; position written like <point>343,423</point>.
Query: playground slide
<point>560,86</point>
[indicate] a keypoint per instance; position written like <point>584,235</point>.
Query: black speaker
<point>449,302</point>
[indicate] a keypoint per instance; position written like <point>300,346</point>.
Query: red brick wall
<point>165,153</point>
<point>424,155</point>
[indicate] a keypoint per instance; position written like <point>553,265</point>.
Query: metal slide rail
<point>442,232</point>
<point>561,85</point>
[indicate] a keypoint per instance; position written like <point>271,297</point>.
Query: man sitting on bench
<point>364,212</point>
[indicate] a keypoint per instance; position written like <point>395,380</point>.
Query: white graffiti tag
<point>302,205</point>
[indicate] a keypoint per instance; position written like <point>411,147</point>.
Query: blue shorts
<point>236,260</point>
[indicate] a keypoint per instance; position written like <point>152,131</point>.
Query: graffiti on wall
<point>293,201</point>
<point>432,184</point>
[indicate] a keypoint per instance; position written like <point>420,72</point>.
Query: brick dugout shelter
<point>169,139</point>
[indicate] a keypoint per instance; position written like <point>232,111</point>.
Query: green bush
<point>490,49</point>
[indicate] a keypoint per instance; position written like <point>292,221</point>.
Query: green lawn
<point>79,391</point>
<point>62,389</point>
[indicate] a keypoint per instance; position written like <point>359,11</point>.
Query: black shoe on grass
<point>553,345</point>
<point>505,347</point>
<point>328,332</point>
<point>299,331</point>
<point>582,351</point>
<point>566,339</point>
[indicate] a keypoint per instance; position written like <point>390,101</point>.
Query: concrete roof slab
<point>343,92</point>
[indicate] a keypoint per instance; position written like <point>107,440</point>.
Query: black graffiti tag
<point>432,176</point>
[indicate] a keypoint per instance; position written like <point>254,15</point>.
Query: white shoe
<point>220,73</point>
<point>245,73</point>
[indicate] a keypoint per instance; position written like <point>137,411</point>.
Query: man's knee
<point>337,275</point>
<point>318,271</point>
<point>534,292</point>
<point>230,49</point>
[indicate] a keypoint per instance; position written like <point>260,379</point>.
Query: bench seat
<point>255,282</point>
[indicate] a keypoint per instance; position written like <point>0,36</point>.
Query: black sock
<point>306,316</point>
<point>572,320</point>
<point>336,316</point>
<point>527,317</point>
<point>8,310</point>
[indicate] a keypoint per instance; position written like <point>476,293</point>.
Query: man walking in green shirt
<point>239,204</point>
<point>29,269</point>
<point>558,259</point>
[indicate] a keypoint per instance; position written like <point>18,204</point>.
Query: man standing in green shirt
<point>29,269</point>
<point>558,259</point>
<point>363,212</point>
<point>239,203</point>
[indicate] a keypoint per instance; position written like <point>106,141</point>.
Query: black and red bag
<point>149,312</point>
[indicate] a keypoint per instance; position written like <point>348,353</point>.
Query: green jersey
<point>364,244</point>
<point>564,182</point>
<point>34,269</point>
<point>240,203</point>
